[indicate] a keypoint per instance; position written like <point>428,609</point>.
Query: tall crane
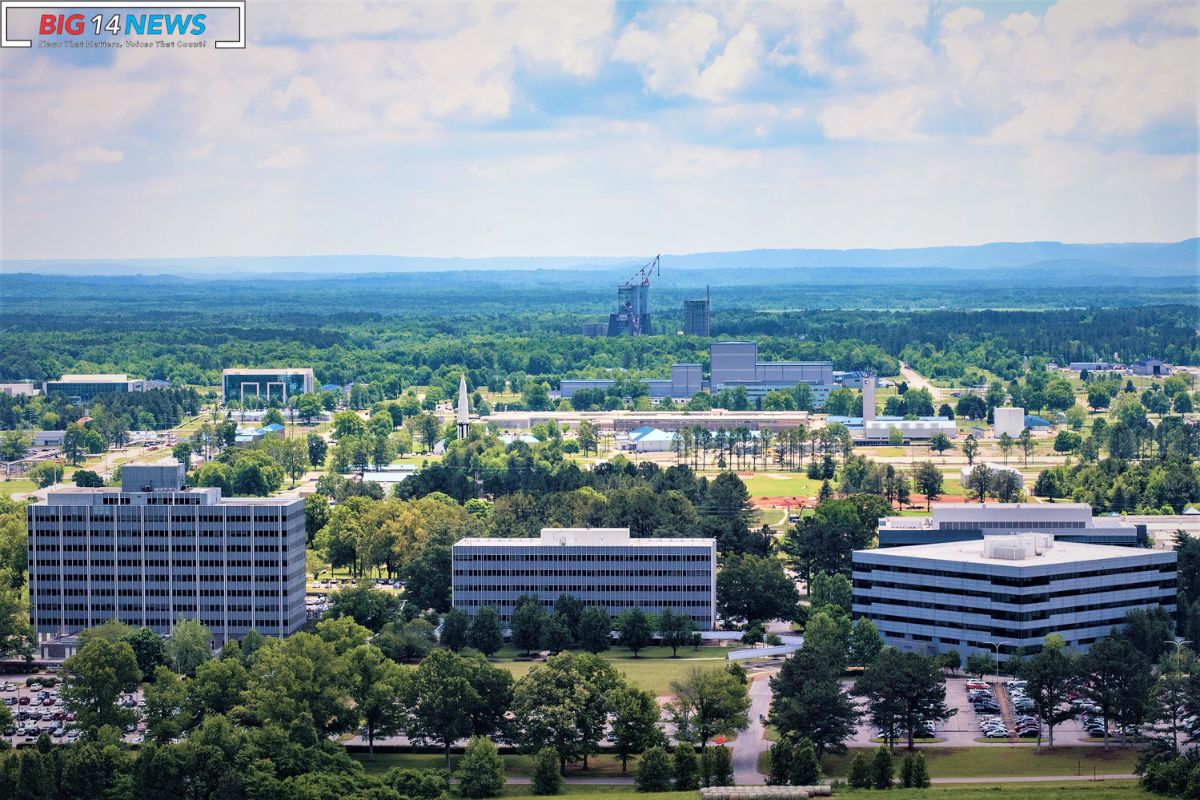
<point>633,299</point>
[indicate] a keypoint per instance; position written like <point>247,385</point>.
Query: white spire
<point>464,409</point>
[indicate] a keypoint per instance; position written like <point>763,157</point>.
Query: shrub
<point>687,777</point>
<point>546,778</point>
<point>481,771</point>
<point>806,769</point>
<point>722,766</point>
<point>860,775</point>
<point>653,771</point>
<point>782,758</point>
<point>920,772</point>
<point>882,768</point>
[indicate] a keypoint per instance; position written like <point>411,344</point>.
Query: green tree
<point>720,769</point>
<point>570,609</point>
<point>781,761</point>
<point>302,677</point>
<point>484,633</point>
<point>595,630</point>
<point>317,449</point>
<point>806,767</point>
<point>166,705</point>
<point>14,444</point>
<point>370,607</point>
<point>675,630</point>
<point>481,771</point>
<point>217,687</point>
<point>149,649</point>
<point>1050,674</point>
<point>865,642</point>
<point>755,589</point>
<point>556,636</point>
<point>546,777</point>
<point>1116,677</point>
<point>586,435</point>
<point>95,678</point>
<point>1006,446</point>
<point>376,685</point>
<point>939,444</point>
<point>978,482</point>
<point>904,691</point>
<point>633,627</point>
<point>883,768</point>
<point>654,771</point>
<point>970,449</point>
<point>454,629</point>
<point>635,715</point>
<point>453,696</point>
<point>830,593</point>
<point>686,768</point>
<point>809,703</point>
<point>708,703</point>
<point>825,540</point>
<point>927,478</point>
<point>860,775</point>
<point>1173,695</point>
<point>919,772</point>
<point>528,621</point>
<point>189,646</point>
<point>827,635</point>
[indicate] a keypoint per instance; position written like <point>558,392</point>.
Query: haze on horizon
<point>602,129</point>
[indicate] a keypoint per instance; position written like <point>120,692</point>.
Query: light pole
<point>1179,643</point>
<point>996,659</point>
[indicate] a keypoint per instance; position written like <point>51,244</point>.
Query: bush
<point>653,771</point>
<point>860,775</point>
<point>687,777</point>
<point>546,778</point>
<point>882,768</point>
<point>920,772</point>
<point>722,766</point>
<point>782,758</point>
<point>481,771</point>
<point>806,769</point>
<point>418,784</point>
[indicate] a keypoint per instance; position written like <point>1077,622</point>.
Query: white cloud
<point>289,157</point>
<point>70,165</point>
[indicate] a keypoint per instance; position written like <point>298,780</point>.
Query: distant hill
<point>1126,260</point>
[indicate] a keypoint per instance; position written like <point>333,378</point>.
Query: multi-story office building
<point>697,316</point>
<point>154,551</point>
<point>82,388</point>
<point>600,566</point>
<point>1007,593</point>
<point>265,383</point>
<point>734,363</point>
<point>960,522</point>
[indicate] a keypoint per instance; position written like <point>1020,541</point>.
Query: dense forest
<point>386,329</point>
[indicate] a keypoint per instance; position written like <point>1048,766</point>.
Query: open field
<point>653,671</point>
<point>9,488</point>
<point>785,484</point>
<point>980,762</point>
<point>1061,790</point>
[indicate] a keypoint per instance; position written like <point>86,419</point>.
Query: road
<point>917,381</point>
<point>751,742</point>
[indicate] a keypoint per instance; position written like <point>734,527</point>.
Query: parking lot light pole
<point>996,658</point>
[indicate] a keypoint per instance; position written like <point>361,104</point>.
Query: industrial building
<point>697,316</point>
<point>154,551</point>
<point>265,383</point>
<point>646,440</point>
<point>960,522</point>
<point>602,567</point>
<point>1093,366</point>
<point>922,429</point>
<point>82,388</point>
<point>594,329</point>
<point>1008,420</point>
<point>736,363</point>
<point>632,317</point>
<point>1006,593</point>
<point>1150,367</point>
<point>20,389</point>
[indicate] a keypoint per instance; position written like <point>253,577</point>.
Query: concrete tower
<point>464,423</point>
<point>868,394</point>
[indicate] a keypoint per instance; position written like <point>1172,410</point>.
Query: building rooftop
<point>973,552</point>
<point>261,370</point>
<point>94,378</point>
<point>585,537</point>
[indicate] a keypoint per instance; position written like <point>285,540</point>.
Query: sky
<point>600,129</point>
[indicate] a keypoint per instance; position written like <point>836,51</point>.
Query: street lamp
<point>996,659</point>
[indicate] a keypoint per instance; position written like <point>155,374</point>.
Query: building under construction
<point>632,317</point>
<point>697,316</point>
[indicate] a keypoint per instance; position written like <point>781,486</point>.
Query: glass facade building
<point>265,383</point>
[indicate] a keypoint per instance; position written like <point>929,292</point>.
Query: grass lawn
<point>981,762</point>
<point>790,485</point>
<point>653,671</point>
<point>9,488</point>
<point>1061,790</point>
<point>517,766</point>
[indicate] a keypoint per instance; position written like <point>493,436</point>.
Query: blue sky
<point>593,128</point>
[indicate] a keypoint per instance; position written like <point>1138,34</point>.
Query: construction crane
<point>633,300</point>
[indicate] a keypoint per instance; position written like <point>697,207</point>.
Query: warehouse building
<point>1007,593</point>
<point>960,522</point>
<point>265,383</point>
<point>82,388</point>
<point>154,551</point>
<point>1008,420</point>
<point>600,566</point>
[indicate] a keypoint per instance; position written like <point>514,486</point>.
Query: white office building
<point>1006,593</point>
<point>154,550</point>
<point>600,566</point>
<point>960,522</point>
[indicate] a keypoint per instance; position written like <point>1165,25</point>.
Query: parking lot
<point>39,709</point>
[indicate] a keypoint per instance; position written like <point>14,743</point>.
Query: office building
<point>1008,420</point>
<point>960,522</point>
<point>20,389</point>
<point>1007,593</point>
<point>600,566</point>
<point>697,316</point>
<point>154,551</point>
<point>82,388</point>
<point>265,383</point>
<point>1019,480</point>
<point>686,380</point>
<point>734,363</point>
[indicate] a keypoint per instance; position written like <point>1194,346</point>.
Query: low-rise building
<point>602,567</point>
<point>82,388</point>
<point>154,551</point>
<point>265,383</point>
<point>1152,367</point>
<point>1009,420</point>
<point>48,438</point>
<point>20,389</point>
<point>960,522</point>
<point>1005,594</point>
<point>879,430</point>
<point>965,473</point>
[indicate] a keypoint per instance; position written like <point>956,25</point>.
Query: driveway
<point>752,742</point>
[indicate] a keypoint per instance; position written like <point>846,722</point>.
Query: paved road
<point>918,381</point>
<point>751,742</point>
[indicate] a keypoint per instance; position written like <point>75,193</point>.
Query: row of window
<point>179,577</point>
<point>43,533</point>
<point>585,573</point>
<point>1014,580</point>
<point>163,623</point>
<point>997,614</point>
<point>558,588</point>
<point>639,557</point>
<point>42,591</point>
<point>1011,633</point>
<point>1014,599</point>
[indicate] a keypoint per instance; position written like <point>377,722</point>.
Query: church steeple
<point>464,409</point>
